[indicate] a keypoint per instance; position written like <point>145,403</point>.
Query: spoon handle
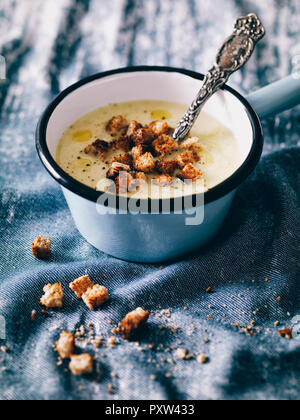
<point>233,55</point>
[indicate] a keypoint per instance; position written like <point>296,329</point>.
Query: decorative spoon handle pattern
<point>234,54</point>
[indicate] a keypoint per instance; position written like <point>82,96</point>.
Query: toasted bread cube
<point>144,163</point>
<point>133,127</point>
<point>125,159</point>
<point>116,125</point>
<point>99,148</point>
<point>160,127</point>
<point>164,144</point>
<point>132,322</point>
<point>138,179</point>
<point>143,136</point>
<point>81,364</point>
<point>53,297</point>
<point>163,180</point>
<point>190,172</point>
<point>115,170</point>
<point>286,333</point>
<point>95,296</point>
<point>65,346</point>
<point>41,248</point>
<point>186,158</point>
<point>140,176</point>
<point>167,167</point>
<point>80,286</point>
<point>192,143</point>
<point>124,143</point>
<point>137,151</point>
<point>123,182</point>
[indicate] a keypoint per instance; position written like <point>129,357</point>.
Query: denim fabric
<point>51,45</point>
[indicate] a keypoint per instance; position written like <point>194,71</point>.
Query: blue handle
<point>277,97</point>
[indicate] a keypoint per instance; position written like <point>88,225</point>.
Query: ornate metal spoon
<point>233,55</point>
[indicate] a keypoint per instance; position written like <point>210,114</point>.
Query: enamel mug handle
<point>277,97</point>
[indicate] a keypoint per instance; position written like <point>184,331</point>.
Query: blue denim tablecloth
<point>48,45</point>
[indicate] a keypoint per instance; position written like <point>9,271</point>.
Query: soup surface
<point>215,145</point>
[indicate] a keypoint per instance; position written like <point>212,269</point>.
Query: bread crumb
<point>202,359</point>
<point>33,315</point>
<point>80,285</point>
<point>97,342</point>
<point>53,297</point>
<point>4,349</point>
<point>111,389</point>
<point>286,333</point>
<point>95,296</point>
<point>81,364</point>
<point>132,322</point>
<point>65,345</point>
<point>112,342</point>
<point>181,354</point>
<point>278,299</point>
<point>41,248</point>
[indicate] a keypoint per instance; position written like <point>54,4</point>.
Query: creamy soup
<point>219,154</point>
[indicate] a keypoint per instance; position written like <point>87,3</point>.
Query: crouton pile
<point>94,296</point>
<point>146,152</point>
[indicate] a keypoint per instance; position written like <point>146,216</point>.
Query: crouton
<point>99,148</point>
<point>123,182</point>
<point>95,296</point>
<point>286,333</point>
<point>138,179</point>
<point>132,322</point>
<point>125,159</point>
<point>53,296</point>
<point>80,286</point>
<point>166,166</point>
<point>41,248</point>
<point>164,144</point>
<point>115,169</point>
<point>191,143</point>
<point>140,176</point>
<point>186,158</point>
<point>116,125</point>
<point>137,151</point>
<point>160,127</point>
<point>143,136</point>
<point>133,127</point>
<point>144,163</point>
<point>81,364</point>
<point>189,172</point>
<point>124,143</point>
<point>65,345</point>
<point>162,180</point>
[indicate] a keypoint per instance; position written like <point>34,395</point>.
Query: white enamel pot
<point>148,237</point>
